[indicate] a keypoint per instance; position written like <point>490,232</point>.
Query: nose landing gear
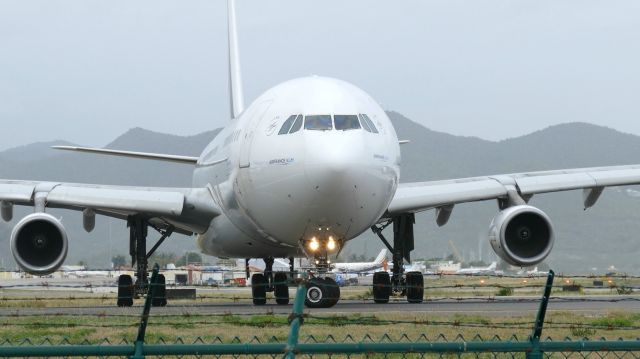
<point>322,292</point>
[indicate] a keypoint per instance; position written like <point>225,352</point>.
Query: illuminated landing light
<point>331,243</point>
<point>314,244</point>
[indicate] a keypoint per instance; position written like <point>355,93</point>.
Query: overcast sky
<point>86,71</point>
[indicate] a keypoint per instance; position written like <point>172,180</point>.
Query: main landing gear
<point>277,282</point>
<point>321,292</point>
<point>127,289</point>
<point>410,284</point>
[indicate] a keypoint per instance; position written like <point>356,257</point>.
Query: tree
<point>118,261</point>
<point>162,258</point>
<point>189,258</point>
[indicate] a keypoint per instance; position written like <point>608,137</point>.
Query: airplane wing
<point>516,188</point>
<point>189,210</point>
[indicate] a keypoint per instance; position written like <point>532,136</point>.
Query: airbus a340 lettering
<point>309,165</point>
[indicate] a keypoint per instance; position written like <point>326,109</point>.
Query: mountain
<point>599,237</point>
<point>32,152</point>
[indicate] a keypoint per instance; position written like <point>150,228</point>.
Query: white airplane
<point>353,267</point>
<point>532,273</point>
<point>309,165</point>
<point>491,268</point>
<point>81,271</point>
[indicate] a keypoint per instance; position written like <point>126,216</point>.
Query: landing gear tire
<point>333,292</point>
<point>259,289</point>
<point>315,296</point>
<point>160,292</point>
<point>125,291</point>
<point>415,287</point>
<point>321,293</point>
<point>281,288</point>
<point>381,287</point>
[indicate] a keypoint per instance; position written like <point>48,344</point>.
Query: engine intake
<point>39,244</point>
<point>521,235</point>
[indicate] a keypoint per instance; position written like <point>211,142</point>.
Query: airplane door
<point>249,131</point>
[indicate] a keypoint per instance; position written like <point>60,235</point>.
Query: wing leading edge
<point>420,196</point>
<point>142,155</point>
<point>190,210</point>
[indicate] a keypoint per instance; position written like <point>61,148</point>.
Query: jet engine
<point>39,243</point>
<point>521,235</point>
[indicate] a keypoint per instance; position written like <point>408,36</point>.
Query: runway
<point>507,306</point>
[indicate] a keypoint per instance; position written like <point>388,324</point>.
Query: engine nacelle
<point>39,243</point>
<point>521,235</point>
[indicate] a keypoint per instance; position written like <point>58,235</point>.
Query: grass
<point>265,328</point>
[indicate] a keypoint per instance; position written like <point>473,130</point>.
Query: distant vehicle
<point>81,271</point>
<point>346,279</point>
<point>353,267</point>
<point>490,269</point>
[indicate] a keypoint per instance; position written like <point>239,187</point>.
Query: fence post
<point>536,353</point>
<point>139,344</point>
<point>296,319</point>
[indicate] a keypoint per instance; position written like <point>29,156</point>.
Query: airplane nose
<point>335,167</point>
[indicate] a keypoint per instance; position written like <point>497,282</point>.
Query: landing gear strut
<point>127,289</point>
<point>410,284</point>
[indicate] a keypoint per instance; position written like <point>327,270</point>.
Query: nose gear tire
<point>333,292</point>
<point>321,293</point>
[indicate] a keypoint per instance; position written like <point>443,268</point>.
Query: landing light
<point>313,244</point>
<point>331,244</point>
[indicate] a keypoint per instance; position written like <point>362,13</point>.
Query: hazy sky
<point>86,71</point>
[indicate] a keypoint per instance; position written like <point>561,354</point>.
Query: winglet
<point>235,76</point>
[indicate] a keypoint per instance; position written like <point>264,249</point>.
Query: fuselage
<point>311,158</point>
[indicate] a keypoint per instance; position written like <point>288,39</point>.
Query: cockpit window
<point>368,124</point>
<point>346,122</point>
<point>318,123</point>
<point>287,125</point>
<point>365,125</point>
<point>296,125</point>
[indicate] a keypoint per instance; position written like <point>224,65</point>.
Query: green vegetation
<point>616,320</point>
<point>268,327</point>
<point>505,292</point>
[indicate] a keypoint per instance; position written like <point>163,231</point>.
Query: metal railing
<point>533,347</point>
